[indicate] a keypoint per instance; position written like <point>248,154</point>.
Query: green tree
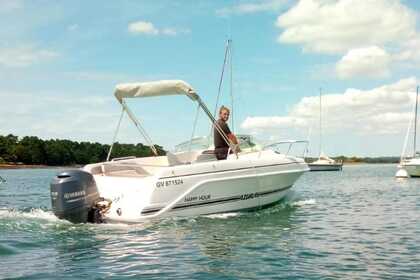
<point>7,147</point>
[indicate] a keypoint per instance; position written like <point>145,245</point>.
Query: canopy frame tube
<point>161,88</point>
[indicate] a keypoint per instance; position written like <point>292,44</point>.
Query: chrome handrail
<point>290,142</point>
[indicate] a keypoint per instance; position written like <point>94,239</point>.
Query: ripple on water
<point>357,224</point>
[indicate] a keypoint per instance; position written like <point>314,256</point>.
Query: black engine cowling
<point>74,195</point>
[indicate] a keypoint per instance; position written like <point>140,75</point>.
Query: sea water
<point>360,223</point>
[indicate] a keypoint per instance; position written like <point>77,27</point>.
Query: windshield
<point>246,143</point>
<point>197,143</point>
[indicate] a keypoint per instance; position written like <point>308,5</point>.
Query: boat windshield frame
<point>290,143</point>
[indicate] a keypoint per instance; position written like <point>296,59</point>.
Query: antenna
<point>231,83</point>
<point>221,77</point>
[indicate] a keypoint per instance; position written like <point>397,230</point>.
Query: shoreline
<point>43,166</point>
<point>33,166</point>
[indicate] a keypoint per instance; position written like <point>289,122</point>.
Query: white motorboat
<point>184,183</point>
<point>410,165</point>
<point>324,163</point>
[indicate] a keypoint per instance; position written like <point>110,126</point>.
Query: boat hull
<point>325,167</point>
<point>199,190</point>
<point>412,169</point>
<point>231,195</point>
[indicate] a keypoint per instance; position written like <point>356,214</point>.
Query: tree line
<point>33,150</point>
<point>360,159</point>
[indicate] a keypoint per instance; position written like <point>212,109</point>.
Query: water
<point>361,223</point>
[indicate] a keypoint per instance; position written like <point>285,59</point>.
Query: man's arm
<point>234,140</point>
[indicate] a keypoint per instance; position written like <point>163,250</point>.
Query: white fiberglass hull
<point>201,188</point>
<point>230,195</point>
<point>412,167</point>
<point>325,167</point>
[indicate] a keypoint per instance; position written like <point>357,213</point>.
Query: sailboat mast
<point>231,84</point>
<point>415,123</point>
<point>320,122</point>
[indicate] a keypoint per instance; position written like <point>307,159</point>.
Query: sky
<point>61,60</point>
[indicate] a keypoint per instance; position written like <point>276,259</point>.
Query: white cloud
<point>382,110</point>
<point>24,56</point>
<point>273,122</point>
<point>410,51</point>
<point>169,31</point>
<point>143,27</point>
<point>335,27</point>
<point>71,117</point>
<point>175,31</point>
<point>372,62</point>
<point>253,7</point>
<point>148,28</point>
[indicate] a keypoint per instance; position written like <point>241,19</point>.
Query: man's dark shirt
<point>220,146</point>
<point>219,142</point>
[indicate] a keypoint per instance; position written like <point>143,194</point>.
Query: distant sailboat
<point>410,166</point>
<point>324,163</point>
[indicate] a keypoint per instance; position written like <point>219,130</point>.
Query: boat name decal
<point>249,196</point>
<point>167,183</point>
<point>195,198</point>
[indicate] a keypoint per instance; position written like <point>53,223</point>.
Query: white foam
<point>222,215</point>
<point>32,214</point>
<point>304,202</point>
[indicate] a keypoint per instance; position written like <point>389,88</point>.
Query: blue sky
<point>60,61</point>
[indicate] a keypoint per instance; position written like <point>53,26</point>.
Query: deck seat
<point>207,155</point>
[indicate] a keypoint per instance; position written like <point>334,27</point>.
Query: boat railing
<point>275,146</point>
<point>132,164</point>
<point>123,158</point>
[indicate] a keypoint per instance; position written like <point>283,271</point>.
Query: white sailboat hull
<point>413,170</point>
<point>325,167</point>
<point>412,167</point>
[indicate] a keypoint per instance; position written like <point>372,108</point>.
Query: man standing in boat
<point>221,147</point>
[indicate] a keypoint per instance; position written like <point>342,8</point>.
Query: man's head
<point>224,113</point>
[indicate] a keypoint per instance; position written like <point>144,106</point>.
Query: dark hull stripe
<point>227,170</point>
<point>331,165</point>
<point>322,167</point>
<point>337,169</point>
<point>214,201</point>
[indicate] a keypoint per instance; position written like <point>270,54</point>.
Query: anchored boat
<point>324,163</point>
<point>184,183</point>
<point>410,165</point>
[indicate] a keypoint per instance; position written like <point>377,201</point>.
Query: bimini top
<point>156,88</point>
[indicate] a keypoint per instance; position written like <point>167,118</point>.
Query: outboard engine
<point>74,196</point>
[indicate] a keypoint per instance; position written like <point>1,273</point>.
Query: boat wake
<point>223,215</point>
<point>33,213</point>
<point>301,203</point>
